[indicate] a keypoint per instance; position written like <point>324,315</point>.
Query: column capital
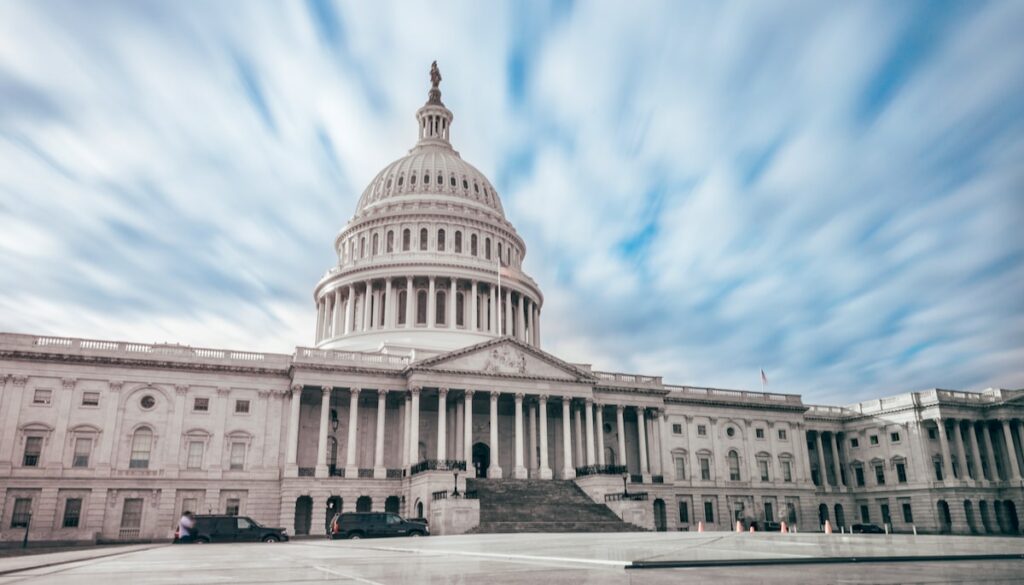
<point>520,396</point>
<point>542,398</point>
<point>223,391</point>
<point>469,393</point>
<point>589,401</point>
<point>620,408</point>
<point>326,390</point>
<point>382,393</point>
<point>181,389</point>
<point>494,395</point>
<point>296,388</point>
<point>442,392</point>
<point>415,390</point>
<point>69,383</point>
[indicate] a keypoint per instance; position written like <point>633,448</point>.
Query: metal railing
<point>657,479</point>
<point>446,495</point>
<point>396,473</point>
<point>307,471</point>
<point>438,465</point>
<point>600,470</point>
<point>636,478</point>
<point>365,473</point>
<point>618,497</point>
<point>336,471</point>
<point>128,534</point>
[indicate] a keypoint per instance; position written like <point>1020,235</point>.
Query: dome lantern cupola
<point>435,120</point>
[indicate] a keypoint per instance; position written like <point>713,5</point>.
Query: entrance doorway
<point>392,505</point>
<point>660,523</point>
<point>333,508</point>
<point>303,514</point>
<point>481,459</point>
<point>945,520</point>
<point>840,516</point>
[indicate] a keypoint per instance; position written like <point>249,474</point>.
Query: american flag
<point>764,378</point>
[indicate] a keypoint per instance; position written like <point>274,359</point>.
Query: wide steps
<point>511,505</point>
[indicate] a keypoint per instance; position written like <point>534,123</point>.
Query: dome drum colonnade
<point>581,426</point>
<point>428,261</point>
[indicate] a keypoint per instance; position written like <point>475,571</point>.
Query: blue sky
<point>828,191</point>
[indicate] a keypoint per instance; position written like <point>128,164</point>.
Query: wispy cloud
<point>832,193</point>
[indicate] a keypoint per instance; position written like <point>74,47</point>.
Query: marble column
<point>837,467</point>
<point>532,415</point>
<point>293,425</point>
<point>600,433</point>
<point>350,307</point>
<point>641,427</point>
<point>379,471</point>
<point>367,301</point>
<point>990,453</point>
<point>947,457</point>
<point>431,304</point>
<point>822,470</point>
<point>529,322</point>
<point>406,421</point>
<point>494,471</point>
<point>1011,452</point>
<point>662,452</point>
<point>351,464</point>
<point>536,327</point>
<point>414,427</point>
<point>589,406</point>
<point>545,469</point>
<point>442,424</point>
<point>507,307</point>
<point>467,430</point>
<point>521,319</point>
<point>410,304</point>
<point>389,305</point>
<point>321,445</point>
<point>492,309</point>
<point>339,318</point>
<point>568,471</point>
<point>459,447</point>
<point>972,436</point>
<point>453,305</point>
<point>475,310</point>
<point>578,427</point>
<point>621,425</point>
<point>961,455</point>
<point>520,470</point>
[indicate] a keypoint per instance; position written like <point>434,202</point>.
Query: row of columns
<point>957,452</point>
<point>590,452</point>
<point>336,312</point>
<point>833,446</point>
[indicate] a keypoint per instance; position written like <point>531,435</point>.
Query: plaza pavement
<point>537,559</point>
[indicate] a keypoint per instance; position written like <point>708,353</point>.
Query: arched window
<point>362,247</point>
<point>423,239</point>
<point>412,179</point>
<point>453,181</point>
<point>426,178</point>
<point>402,296</point>
<point>401,180</point>
<point>734,465</point>
<point>391,242</point>
<point>406,240</point>
<point>499,251</point>
<point>487,248</point>
<point>440,240</point>
<point>460,305</point>
<point>421,307</point>
<point>439,307</point>
<point>142,444</point>
<point>376,242</point>
<point>458,242</point>
<point>440,180</point>
<point>472,244</point>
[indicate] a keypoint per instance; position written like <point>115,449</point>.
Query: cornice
<point>153,364</point>
<point>742,405</point>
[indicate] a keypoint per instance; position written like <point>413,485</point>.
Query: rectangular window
<point>705,468</point>
<point>782,434</point>
<point>195,455</point>
<point>901,473</point>
<point>189,505</point>
<point>33,448</point>
<point>709,512</point>
<point>677,429</point>
<point>938,469</point>
<point>880,474</point>
<point>241,407</point>
<point>758,433</point>
<point>854,443</point>
<point>201,405</point>
<point>684,513</point>
<point>680,468</point>
<point>933,434</point>
<point>42,396</point>
<point>83,448</point>
<point>873,439</point>
<point>858,472</point>
<point>131,514</point>
<point>908,514</point>
<point>702,431</point>
<point>22,512</point>
<point>769,511</point>
<point>91,399</point>
<point>237,456</point>
<point>762,466</point>
<point>894,437</point>
<point>865,514</point>
<point>72,512</point>
<point>787,471</point>
<point>791,512</point>
<point>886,518</point>
<point>231,509</point>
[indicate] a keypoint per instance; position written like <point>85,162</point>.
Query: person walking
<point>186,527</point>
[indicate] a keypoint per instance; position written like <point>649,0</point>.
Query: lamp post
<point>625,478</point>
<point>28,521</point>
<point>455,492</point>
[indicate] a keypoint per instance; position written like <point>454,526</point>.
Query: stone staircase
<point>535,505</point>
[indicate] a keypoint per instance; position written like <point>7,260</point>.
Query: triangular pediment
<point>505,357</point>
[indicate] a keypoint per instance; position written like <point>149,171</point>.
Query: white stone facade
<point>113,440</point>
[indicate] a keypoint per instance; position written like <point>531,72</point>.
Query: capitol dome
<point>428,263</point>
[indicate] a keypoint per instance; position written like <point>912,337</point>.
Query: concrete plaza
<point>534,558</point>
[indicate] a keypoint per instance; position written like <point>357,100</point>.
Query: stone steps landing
<point>535,505</point>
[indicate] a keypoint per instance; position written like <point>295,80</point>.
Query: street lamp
<point>455,492</point>
<point>625,478</point>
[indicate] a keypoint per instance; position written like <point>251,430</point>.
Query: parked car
<point>767,526</point>
<point>867,529</point>
<point>224,528</point>
<point>375,525</point>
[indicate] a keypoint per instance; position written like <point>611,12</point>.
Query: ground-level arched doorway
<point>822,514</point>
<point>609,456</point>
<point>945,520</point>
<point>364,504</point>
<point>660,522</point>
<point>333,507</point>
<point>840,516</point>
<point>969,516</point>
<point>481,459</point>
<point>1012,522</point>
<point>986,518</point>
<point>418,508</point>
<point>392,504</point>
<point>303,514</point>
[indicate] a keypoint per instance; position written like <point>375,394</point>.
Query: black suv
<point>767,526</point>
<point>867,529</point>
<point>374,525</point>
<point>223,528</point>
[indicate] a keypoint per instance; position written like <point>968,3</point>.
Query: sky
<point>830,191</point>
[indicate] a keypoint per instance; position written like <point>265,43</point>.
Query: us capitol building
<point>427,370</point>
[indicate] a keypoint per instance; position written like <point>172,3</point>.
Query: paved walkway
<point>536,559</point>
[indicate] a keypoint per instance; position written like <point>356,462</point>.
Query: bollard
<point>828,527</point>
<point>886,527</point>
<point>752,529</point>
<point>700,526</point>
<point>914,528</point>
<point>784,529</point>
<point>739,526</point>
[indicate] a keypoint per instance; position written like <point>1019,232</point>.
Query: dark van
<point>375,525</point>
<point>223,528</point>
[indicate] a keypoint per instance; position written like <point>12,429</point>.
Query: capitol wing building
<point>427,393</point>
